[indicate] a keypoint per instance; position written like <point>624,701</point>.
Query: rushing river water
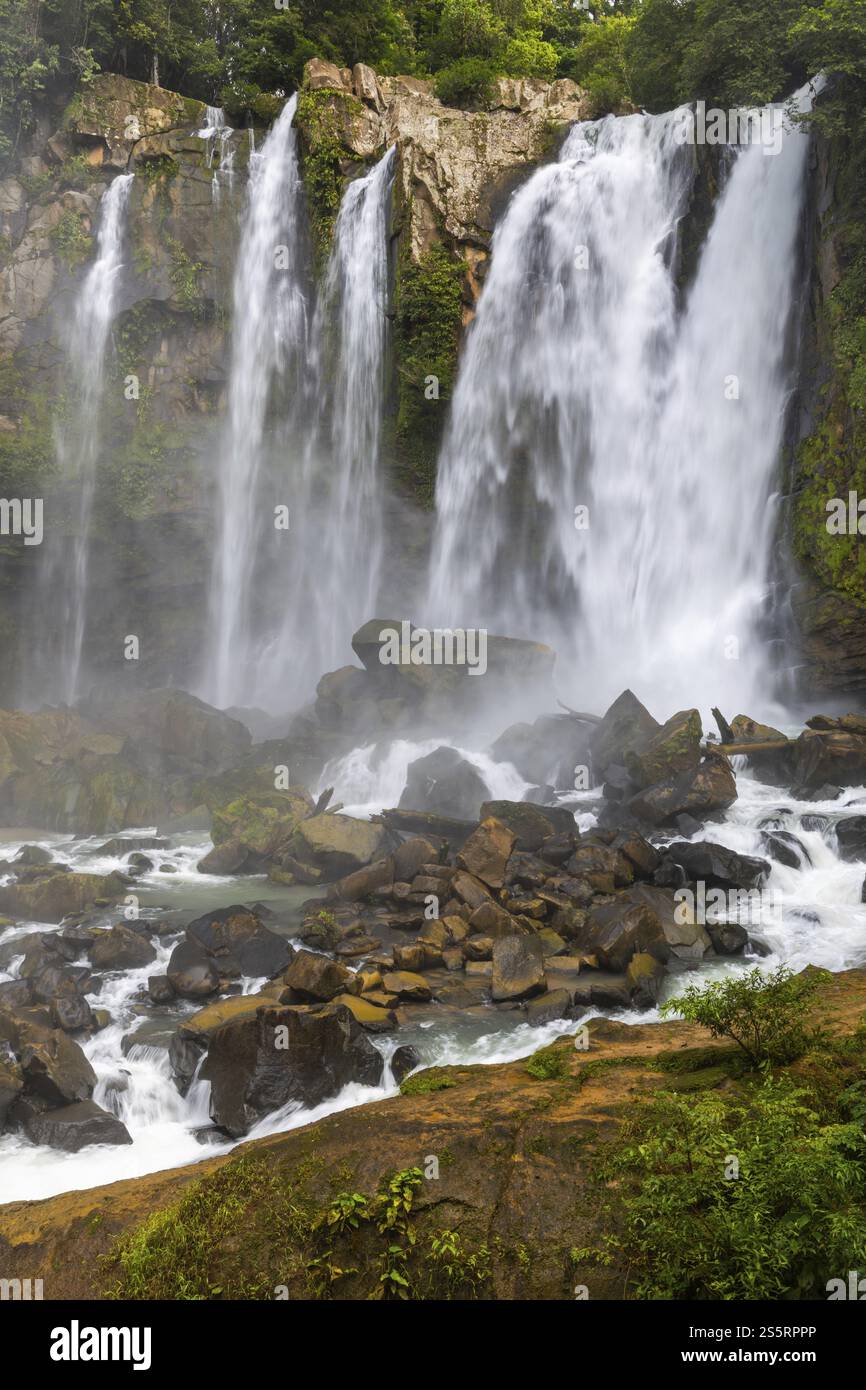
<point>814,916</point>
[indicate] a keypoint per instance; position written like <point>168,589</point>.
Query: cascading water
<point>339,503</point>
<point>86,341</point>
<point>269,339</point>
<point>218,136</point>
<point>583,388</point>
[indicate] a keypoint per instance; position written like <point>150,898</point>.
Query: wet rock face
<point>73,1127</point>
<point>445,784</point>
<point>282,1054</point>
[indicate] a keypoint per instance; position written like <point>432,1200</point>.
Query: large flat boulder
<point>518,968</point>
<point>340,844</point>
<point>74,1127</point>
<point>59,895</point>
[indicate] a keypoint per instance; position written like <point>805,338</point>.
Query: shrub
<point>467,83</point>
<point>752,1199</point>
<point>763,1014</point>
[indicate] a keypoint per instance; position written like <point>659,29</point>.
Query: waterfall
<point>269,338</point>
<point>339,501</point>
<point>86,341</point>
<point>605,481</point>
<point>218,137</point>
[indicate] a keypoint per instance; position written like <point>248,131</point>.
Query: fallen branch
<point>732,750</point>
<point>575,714</point>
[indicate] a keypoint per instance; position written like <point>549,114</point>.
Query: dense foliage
<point>653,53</point>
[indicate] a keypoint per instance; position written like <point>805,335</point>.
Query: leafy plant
<point>765,1015</point>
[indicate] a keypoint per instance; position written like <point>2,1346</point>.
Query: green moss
<point>71,239</point>
<point>832,461</point>
<point>547,1065</point>
<point>424,1083</point>
<point>427,333</point>
<point>320,123</point>
<point>184,275</point>
<point>162,166</point>
<point>27,453</point>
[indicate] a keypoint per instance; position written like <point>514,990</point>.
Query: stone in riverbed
<point>408,985</point>
<point>486,852</point>
<point>58,896</point>
<point>851,838</point>
<point>258,1064</point>
<point>73,1127</point>
<point>531,825</point>
<point>625,726</point>
<point>317,977</point>
<point>54,1067</point>
<point>11,1085</point>
<point>340,844</point>
<point>718,867</point>
<point>518,968</point>
<point>673,749</point>
<point>191,972</point>
<point>547,1008</point>
<point>240,943</point>
<point>120,949</point>
<point>444,783</point>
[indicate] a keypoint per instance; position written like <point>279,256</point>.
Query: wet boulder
<point>531,825</point>
<point>785,848</point>
<point>230,857</point>
<point>617,931</point>
<point>486,852</point>
<point>624,728</point>
<point>74,1127</point>
<point>518,968</point>
<point>316,977</point>
<point>835,755</point>
<point>717,866</point>
<point>851,838</point>
<point>547,751</point>
<point>444,783</point>
<point>54,1068</point>
<point>285,1054</point>
<point>191,972</point>
<point>11,1083</point>
<point>701,791</point>
<point>120,949</point>
<point>262,825</point>
<point>341,845</point>
<point>667,751</point>
<point>240,943</point>
<point>365,881</point>
<point>59,895</point>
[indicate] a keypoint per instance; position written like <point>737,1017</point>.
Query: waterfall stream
<point>269,339</point>
<point>606,479</point>
<point>78,444</point>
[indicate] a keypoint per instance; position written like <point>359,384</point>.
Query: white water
<point>269,335</point>
<point>219,139</point>
<point>820,920</point>
<point>78,442</point>
<point>583,385</point>
<point>337,551</point>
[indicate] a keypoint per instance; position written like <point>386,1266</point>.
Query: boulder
<point>58,896</point>
<point>411,855</point>
<point>160,989</point>
<point>444,783</point>
<point>836,756</point>
<point>71,1013</point>
<point>404,1060</point>
<point>547,1008</point>
<point>407,985</point>
<point>547,751</point>
<point>365,881</point>
<point>518,968</point>
<point>851,838</point>
<point>341,844</point>
<point>716,866</point>
<point>645,976</point>
<point>530,824</point>
<point>701,791</point>
<point>667,751</point>
<point>231,857</point>
<point>11,1084</point>
<point>53,1067</point>
<point>74,1127</point>
<point>785,848</point>
<point>120,845</point>
<point>178,732</point>
<point>239,943</point>
<point>318,977</point>
<point>261,824</point>
<point>625,726</point>
<point>191,972</point>
<point>486,852</point>
<point>617,931</point>
<point>370,1016</point>
<point>120,949</point>
<point>285,1054</point>
<point>320,74</point>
